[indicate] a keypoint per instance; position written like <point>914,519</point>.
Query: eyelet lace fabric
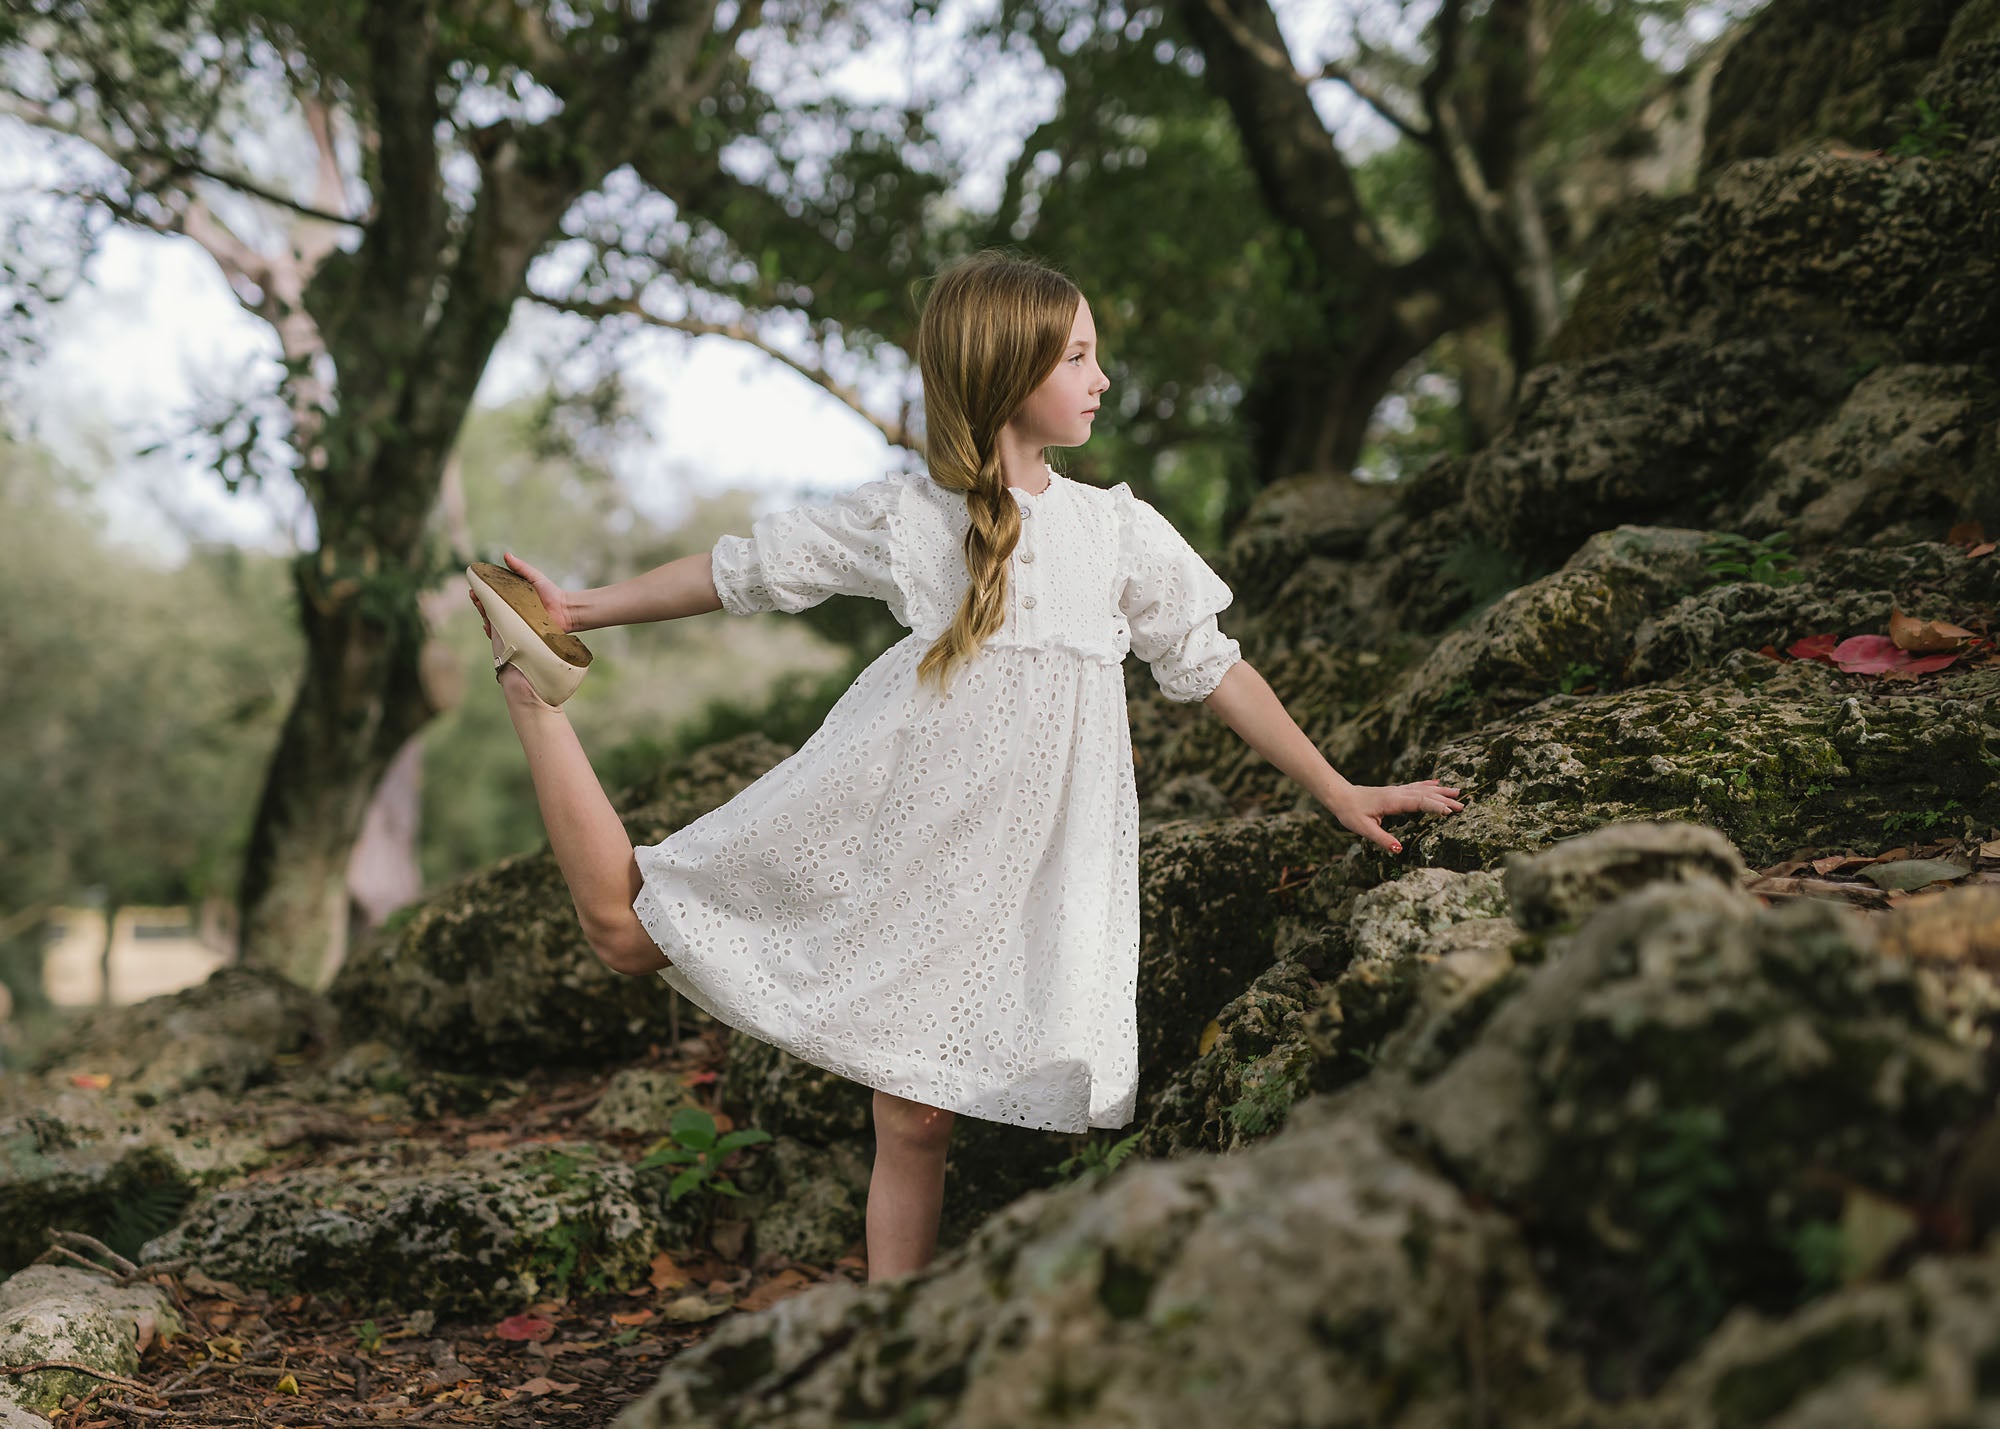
<point>937,894</point>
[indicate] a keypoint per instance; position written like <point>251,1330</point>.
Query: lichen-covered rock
<point>1680,1094</point>
<point>1780,756</point>
<point>53,1312</point>
<point>1651,434</point>
<point>804,1201</point>
<point>1574,627</point>
<point>641,1101</point>
<point>1620,302</point>
<point>13,1416</point>
<point>1843,592</point>
<point>1918,1351</point>
<point>1557,886</point>
<point>94,1162</point>
<point>1909,454</point>
<point>492,973</point>
<point>1313,1020</point>
<point>225,1034</point>
<point>1832,69</point>
<point>470,1234</point>
<point>1295,519</point>
<point>1316,1278</point>
<point>1848,245</point>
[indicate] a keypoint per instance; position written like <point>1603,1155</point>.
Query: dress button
<point>1027,558</point>
<point>1028,601</point>
<point>1027,510</point>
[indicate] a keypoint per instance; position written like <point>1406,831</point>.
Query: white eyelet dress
<point>937,895</point>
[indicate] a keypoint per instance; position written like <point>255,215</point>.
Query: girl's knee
<point>910,1125</point>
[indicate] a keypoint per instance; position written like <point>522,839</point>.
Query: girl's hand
<point>552,594</point>
<point>1363,807</point>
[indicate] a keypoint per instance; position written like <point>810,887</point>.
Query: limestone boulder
<point>411,1225</point>
<point>67,1314</point>
<point>492,973</point>
<point>1312,1274</point>
<point>1845,591</point>
<point>241,1028</point>
<point>1780,756</point>
<point>1686,1085</point>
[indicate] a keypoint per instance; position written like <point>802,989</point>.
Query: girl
<point>937,895</point>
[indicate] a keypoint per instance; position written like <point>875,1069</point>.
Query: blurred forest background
<point>1319,236</point>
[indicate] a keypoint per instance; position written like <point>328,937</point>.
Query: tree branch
<point>897,433</point>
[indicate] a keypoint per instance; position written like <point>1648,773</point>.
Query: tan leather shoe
<point>553,659</point>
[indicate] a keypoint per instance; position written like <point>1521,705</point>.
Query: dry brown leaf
<point>541,1384</point>
<point>665,1273</point>
<point>1926,637</point>
<point>785,1283</point>
<point>631,1317</point>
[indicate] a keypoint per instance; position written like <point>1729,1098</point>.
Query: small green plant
<point>1931,131</point>
<point>1579,674</point>
<point>1764,561</point>
<point>368,1335</point>
<point>1096,1158</point>
<point>1687,1179</point>
<point>1897,820</point>
<point>560,1167</point>
<point>691,1143</point>
<point>625,1336</point>
<point>1819,1248</point>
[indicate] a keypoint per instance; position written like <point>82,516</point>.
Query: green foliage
<point>368,1337</point>
<point>1898,820</point>
<point>1819,1249</point>
<point>1096,1158</point>
<point>692,1144</point>
<point>1686,1182</point>
<point>1931,131</point>
<point>1482,572</point>
<point>1764,561</point>
<point>1577,673</point>
<point>145,1213</point>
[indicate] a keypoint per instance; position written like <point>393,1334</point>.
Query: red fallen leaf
<point>90,1081</point>
<point>1918,667</point>
<point>1814,647</point>
<point>1772,652</point>
<point>1926,637</point>
<point>1876,654</point>
<point>524,1327</point>
<point>1984,548</point>
<point>698,1079</point>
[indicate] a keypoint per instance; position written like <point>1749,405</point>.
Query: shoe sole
<point>522,600</point>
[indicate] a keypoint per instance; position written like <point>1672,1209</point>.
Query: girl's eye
<point>1077,358</point>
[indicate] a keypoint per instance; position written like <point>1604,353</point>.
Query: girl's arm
<point>1250,707</point>
<point>680,587</point>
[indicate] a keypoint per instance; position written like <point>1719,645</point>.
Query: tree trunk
<point>360,701</point>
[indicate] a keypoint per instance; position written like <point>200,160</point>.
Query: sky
<point>155,327</point>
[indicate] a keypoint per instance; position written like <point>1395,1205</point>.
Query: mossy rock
<point>472,1234</point>
<point>1781,756</point>
<point>68,1315</point>
<point>492,973</point>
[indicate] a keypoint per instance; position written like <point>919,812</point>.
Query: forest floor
<point>249,1357</point>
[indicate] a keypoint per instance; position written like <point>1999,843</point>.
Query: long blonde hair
<point>992,328</point>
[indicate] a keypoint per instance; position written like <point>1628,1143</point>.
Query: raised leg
<point>590,843</point>
<point>906,1188</point>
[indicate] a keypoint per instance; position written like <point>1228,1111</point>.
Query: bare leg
<point>906,1189</point>
<point>590,843</point>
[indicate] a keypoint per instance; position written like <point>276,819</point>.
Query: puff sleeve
<point>1170,597</point>
<point>797,557</point>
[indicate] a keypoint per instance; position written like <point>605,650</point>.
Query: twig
<point>125,1408</point>
<point>71,1239</point>
<point>79,1368</point>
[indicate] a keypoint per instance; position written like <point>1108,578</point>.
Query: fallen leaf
<point>693,1309</point>
<point>1926,637</point>
<point>727,1238</point>
<point>665,1273</point>
<point>1814,647</point>
<point>90,1081</point>
<point>541,1384</point>
<point>1873,654</point>
<point>1984,548</point>
<point>1208,1036</point>
<point>1965,533</point>
<point>1913,873</point>
<point>288,1384</point>
<point>785,1283</point>
<point>631,1317</point>
<point>524,1327</point>
<point>488,1140</point>
<point>698,1079</point>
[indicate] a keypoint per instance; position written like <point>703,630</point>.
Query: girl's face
<point>1059,413</point>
